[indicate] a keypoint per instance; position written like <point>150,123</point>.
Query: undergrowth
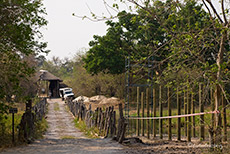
<point>40,128</point>
<point>6,130</point>
<point>89,132</point>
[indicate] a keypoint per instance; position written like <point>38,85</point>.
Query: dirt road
<point>62,137</point>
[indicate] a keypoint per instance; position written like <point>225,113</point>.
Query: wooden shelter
<point>48,83</point>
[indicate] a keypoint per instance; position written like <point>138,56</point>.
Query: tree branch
<point>223,12</point>
<point>207,8</point>
<point>214,10</point>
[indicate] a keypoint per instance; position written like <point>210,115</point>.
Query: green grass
<point>207,118</point>
<point>68,137</point>
<point>89,132</point>
<point>56,107</point>
<point>6,130</point>
<point>40,128</point>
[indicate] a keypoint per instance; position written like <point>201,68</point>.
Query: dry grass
<point>56,107</point>
<point>89,132</point>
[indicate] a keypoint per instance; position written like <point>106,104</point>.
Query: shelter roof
<point>46,76</point>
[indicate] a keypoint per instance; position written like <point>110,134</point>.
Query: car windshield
<point>68,92</point>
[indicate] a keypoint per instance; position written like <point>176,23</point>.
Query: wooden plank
<point>169,114</point>
<point>160,114</point>
<point>193,117</point>
<point>201,108</point>
<point>138,112</point>
<point>189,118</point>
<point>106,119</point>
<point>109,120</point>
<point>154,112</point>
<point>185,112</point>
<point>114,124</point>
<point>123,130</point>
<point>120,121</point>
<point>178,119</point>
<point>143,114</point>
<point>101,123</point>
<point>147,107</point>
<point>122,126</point>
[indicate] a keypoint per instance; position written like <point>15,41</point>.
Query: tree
<point>181,36</point>
<point>127,37</point>
<point>199,42</point>
<point>20,21</point>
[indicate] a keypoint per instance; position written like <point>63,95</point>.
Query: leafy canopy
<point>20,21</point>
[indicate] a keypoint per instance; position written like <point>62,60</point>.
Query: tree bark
<point>217,94</point>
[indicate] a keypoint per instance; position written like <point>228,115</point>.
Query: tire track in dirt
<point>60,122</point>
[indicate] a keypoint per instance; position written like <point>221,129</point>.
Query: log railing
<point>104,120</point>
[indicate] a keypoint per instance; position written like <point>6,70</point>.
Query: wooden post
<point>154,112</point>
<point>106,119</point>
<point>147,106</point>
<point>109,122</point>
<point>121,126</point>
<point>143,114</point>
<point>201,107</point>
<point>169,114</point>
<point>185,112</point>
<point>138,112</point>
<point>99,117</point>
<point>96,116</point>
<point>193,117</point>
<point>47,88</point>
<point>120,121</point>
<point>178,119</point>
<point>13,127</point>
<point>29,117</point>
<point>101,123</point>
<point>189,118</point>
<point>160,114</point>
<point>114,124</point>
<point>224,118</point>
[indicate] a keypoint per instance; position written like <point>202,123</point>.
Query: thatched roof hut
<point>46,76</point>
<point>52,82</point>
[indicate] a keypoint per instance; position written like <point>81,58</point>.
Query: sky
<point>67,34</point>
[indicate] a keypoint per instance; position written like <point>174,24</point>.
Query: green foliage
<point>132,35</point>
<point>59,67</point>
<point>83,83</point>
<point>6,129</point>
<point>101,84</point>
<point>40,128</point>
<point>20,21</point>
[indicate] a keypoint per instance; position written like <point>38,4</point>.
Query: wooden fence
<point>172,101</point>
<point>105,120</point>
<point>31,115</point>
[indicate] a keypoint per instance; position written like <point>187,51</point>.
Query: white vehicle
<point>66,92</point>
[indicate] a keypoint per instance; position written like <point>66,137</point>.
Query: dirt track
<point>62,137</point>
<point>61,126</point>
